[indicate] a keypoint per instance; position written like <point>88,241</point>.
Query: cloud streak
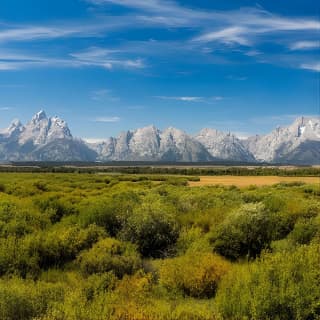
<point>315,66</point>
<point>182,98</point>
<point>107,119</point>
<point>92,57</point>
<point>305,45</point>
<point>191,98</point>
<point>104,58</point>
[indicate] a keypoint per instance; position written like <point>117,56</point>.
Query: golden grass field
<point>245,181</point>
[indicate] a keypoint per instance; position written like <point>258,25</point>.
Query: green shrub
<point>110,213</point>
<point>2,187</point>
<point>104,214</point>
<point>280,286</point>
<point>110,255</point>
<point>196,275</point>
<point>305,230</point>
<point>153,230</point>
<point>60,245</point>
<point>186,238</point>
<point>54,207</point>
<point>245,233</point>
<point>24,300</point>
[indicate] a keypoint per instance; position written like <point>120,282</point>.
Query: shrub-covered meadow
<point>107,246</point>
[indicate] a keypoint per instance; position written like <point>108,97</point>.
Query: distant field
<point>245,181</point>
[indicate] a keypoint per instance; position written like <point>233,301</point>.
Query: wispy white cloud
<point>182,98</point>
<point>211,32</point>
<point>246,27</point>
<point>107,119</point>
<point>228,35</point>
<point>36,32</point>
<point>253,53</point>
<point>164,11</point>
<point>105,58</point>
<point>150,5</point>
<point>315,66</point>
<point>5,108</point>
<point>192,98</point>
<point>305,45</point>
<point>92,57</point>
<point>65,29</point>
<point>103,94</point>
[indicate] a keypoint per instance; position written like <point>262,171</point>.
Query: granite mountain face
<point>224,145</point>
<point>42,139</point>
<point>151,144</point>
<point>49,139</point>
<point>298,143</point>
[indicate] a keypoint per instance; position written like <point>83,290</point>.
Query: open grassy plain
<point>245,181</point>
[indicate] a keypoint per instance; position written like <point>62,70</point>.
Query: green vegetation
<point>141,247</point>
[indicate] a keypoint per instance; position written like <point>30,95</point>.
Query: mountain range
<point>49,139</point>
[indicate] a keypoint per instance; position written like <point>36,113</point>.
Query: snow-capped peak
<point>41,115</point>
<point>42,129</point>
<point>14,128</point>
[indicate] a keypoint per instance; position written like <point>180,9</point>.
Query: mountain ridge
<point>50,139</point>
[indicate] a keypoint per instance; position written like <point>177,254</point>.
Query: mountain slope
<point>281,142</point>
<point>224,145</point>
<point>150,144</point>
<point>42,139</point>
<point>50,139</point>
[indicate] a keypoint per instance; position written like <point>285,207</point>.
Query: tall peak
<point>15,123</point>
<point>39,116</point>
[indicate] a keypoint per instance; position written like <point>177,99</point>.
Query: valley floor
<point>90,246</point>
<point>246,181</point>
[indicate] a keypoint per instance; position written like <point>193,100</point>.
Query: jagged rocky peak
<point>224,145</point>
<point>41,115</point>
<point>58,129</point>
<point>173,134</point>
<point>42,129</point>
<point>145,142</point>
<point>307,127</point>
<point>284,140</point>
<point>14,128</point>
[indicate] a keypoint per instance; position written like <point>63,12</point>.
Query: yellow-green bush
<point>110,255</point>
<point>285,285</point>
<point>24,300</point>
<point>196,275</point>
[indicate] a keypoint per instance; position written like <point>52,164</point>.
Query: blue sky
<point>110,65</point>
